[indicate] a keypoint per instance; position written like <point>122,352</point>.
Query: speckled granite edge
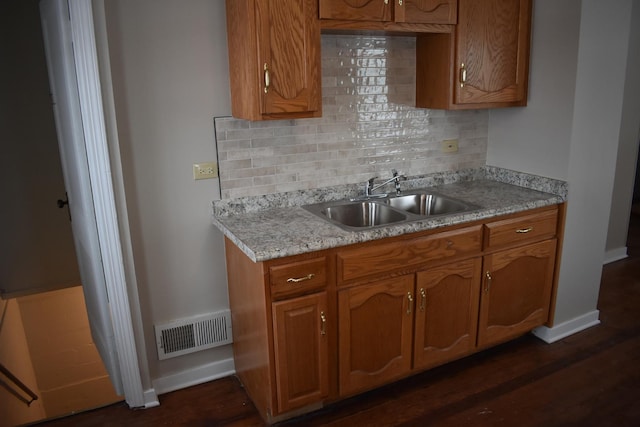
<point>275,226</point>
<point>533,182</point>
<point>244,205</point>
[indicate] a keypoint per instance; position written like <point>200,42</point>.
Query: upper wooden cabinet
<point>483,64</point>
<point>410,11</point>
<point>274,58</point>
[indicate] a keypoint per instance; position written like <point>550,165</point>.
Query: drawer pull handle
<point>323,323</point>
<point>488,282</point>
<point>301,279</point>
<point>524,230</point>
<point>410,298</point>
<point>423,299</point>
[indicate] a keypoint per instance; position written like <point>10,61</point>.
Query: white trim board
<point>570,327</point>
<point>202,374</point>
<point>614,255</point>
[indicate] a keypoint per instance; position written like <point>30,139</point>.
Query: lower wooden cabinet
<point>301,350</point>
<point>446,312</point>
<point>375,333</point>
<point>314,328</point>
<point>516,291</point>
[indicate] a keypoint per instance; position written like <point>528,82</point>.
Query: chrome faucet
<point>369,188</point>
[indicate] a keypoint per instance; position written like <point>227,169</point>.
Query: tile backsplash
<point>368,127</point>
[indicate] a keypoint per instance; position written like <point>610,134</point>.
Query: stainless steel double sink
<point>358,214</point>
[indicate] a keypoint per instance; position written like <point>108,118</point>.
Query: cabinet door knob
<point>410,303</point>
<point>323,323</point>
<point>463,75</point>
<point>267,78</point>
<point>423,299</point>
<point>488,282</point>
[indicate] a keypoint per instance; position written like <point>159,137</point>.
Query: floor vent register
<point>193,334</point>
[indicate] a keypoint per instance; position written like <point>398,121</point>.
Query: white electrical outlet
<point>206,170</point>
<point>449,146</point>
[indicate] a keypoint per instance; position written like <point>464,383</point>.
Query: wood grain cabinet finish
<point>301,350</point>
<point>375,333</point>
<point>484,62</point>
<point>274,58</point>
<point>410,11</point>
<point>446,312</point>
<point>315,328</point>
<point>516,291</point>
<point>298,277</point>
<point>374,260</point>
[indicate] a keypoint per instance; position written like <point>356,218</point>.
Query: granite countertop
<point>275,225</point>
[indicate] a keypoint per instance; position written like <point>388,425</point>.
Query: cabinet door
<point>446,312</point>
<point>492,51</point>
<point>375,333</point>
<point>301,350</point>
<point>289,54</point>
<point>274,58</point>
<point>356,10</point>
<point>516,291</point>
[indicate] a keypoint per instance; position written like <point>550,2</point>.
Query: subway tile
<point>369,126</point>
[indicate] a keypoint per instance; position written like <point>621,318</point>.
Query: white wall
<point>536,138</point>
<point>169,68</point>
<point>571,130</point>
<point>170,78</point>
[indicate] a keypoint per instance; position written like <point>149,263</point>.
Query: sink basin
<point>427,204</point>
<point>363,214</point>
<point>356,214</point>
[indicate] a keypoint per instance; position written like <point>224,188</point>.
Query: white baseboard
<point>615,255</point>
<point>150,398</point>
<point>199,375</point>
<point>570,327</point>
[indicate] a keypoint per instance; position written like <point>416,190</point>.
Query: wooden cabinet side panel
<point>301,350</point>
<point>375,333</point>
<point>446,312</point>
<point>562,210</point>
<point>251,323</point>
<point>243,64</point>
<point>516,291</point>
<point>435,56</point>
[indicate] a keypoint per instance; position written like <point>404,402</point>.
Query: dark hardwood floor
<point>588,379</point>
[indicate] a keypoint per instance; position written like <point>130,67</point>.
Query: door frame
<point>97,146</point>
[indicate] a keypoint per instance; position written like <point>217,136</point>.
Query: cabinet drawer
<point>298,277</point>
<point>521,229</point>
<point>379,258</point>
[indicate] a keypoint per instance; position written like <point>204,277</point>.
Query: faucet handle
<point>368,185</point>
